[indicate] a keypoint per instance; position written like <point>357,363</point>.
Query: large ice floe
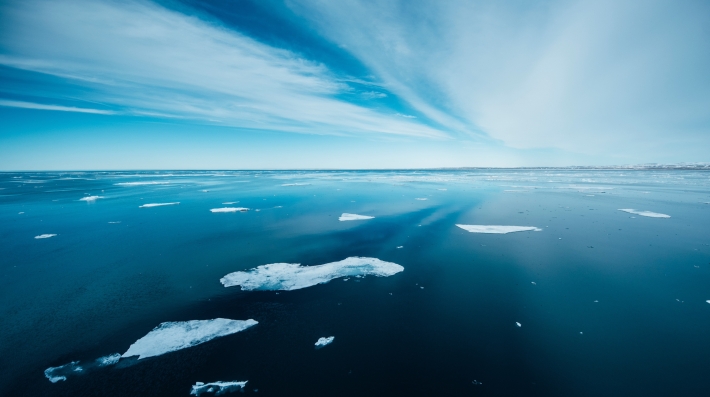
<point>230,209</point>
<point>354,217</point>
<point>321,342</point>
<point>45,236</point>
<point>171,336</point>
<point>90,198</point>
<point>495,229</point>
<point>157,205</point>
<point>292,276</point>
<point>644,213</point>
<point>218,388</point>
<point>142,183</point>
<point>55,374</point>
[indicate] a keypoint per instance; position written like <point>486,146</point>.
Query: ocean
<point>588,301</point>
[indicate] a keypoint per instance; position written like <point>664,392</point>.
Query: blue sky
<point>105,84</point>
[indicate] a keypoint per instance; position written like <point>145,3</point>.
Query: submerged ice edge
<point>648,214</point>
<point>172,336</point>
<point>151,205</point>
<point>293,276</point>
<point>217,387</point>
<point>354,217</point>
<point>60,373</point>
<point>497,229</point>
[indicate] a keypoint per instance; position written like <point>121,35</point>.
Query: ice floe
<point>45,236</point>
<point>518,324</point>
<point>55,374</point>
<point>708,301</point>
<point>157,205</point>
<point>171,336</point>
<point>644,213</point>
<point>353,217</point>
<point>142,183</point>
<point>321,342</point>
<point>230,209</point>
<point>90,198</point>
<point>217,388</point>
<point>495,229</point>
<point>292,276</point>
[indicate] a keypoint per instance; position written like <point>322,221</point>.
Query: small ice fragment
<point>475,382</point>
<point>495,229</point>
<point>708,301</point>
<point>157,205</point>
<point>55,374</point>
<point>205,191</point>
<point>581,333</point>
<point>440,189</point>
<point>45,236</point>
<point>533,283</point>
<point>230,202</point>
<point>20,213</point>
<point>421,198</point>
<point>401,246</point>
<point>111,359</point>
<point>421,287</point>
<point>90,198</point>
<point>218,387</point>
<point>353,217</point>
<point>292,276</point>
<point>171,336</point>
<point>114,222</point>
<point>596,301</point>
<point>230,209</point>
<point>324,341</point>
<point>295,184</point>
<point>518,324</point>
<point>644,213</point>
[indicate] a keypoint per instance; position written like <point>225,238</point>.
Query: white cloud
<point>31,105</point>
<point>153,61</point>
<point>593,76</point>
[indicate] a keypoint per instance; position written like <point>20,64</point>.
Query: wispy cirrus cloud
<point>592,76</point>
<point>148,60</point>
<point>31,105</point>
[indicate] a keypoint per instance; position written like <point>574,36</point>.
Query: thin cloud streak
<point>152,61</point>
<point>31,105</point>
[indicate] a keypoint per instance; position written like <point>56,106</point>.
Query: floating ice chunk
<point>421,198</point>
<point>324,341</point>
<point>20,213</point>
<point>45,236</point>
<point>295,184</point>
<point>55,374</point>
<point>230,209</point>
<point>171,336</point>
<point>533,283</point>
<point>518,324</point>
<point>353,217</point>
<point>142,183</point>
<point>401,246</point>
<point>292,276</point>
<point>644,213</point>
<point>111,359</point>
<point>230,202</point>
<point>217,388</point>
<point>708,301</point>
<point>90,198</point>
<point>494,229</point>
<point>157,205</point>
<point>114,222</point>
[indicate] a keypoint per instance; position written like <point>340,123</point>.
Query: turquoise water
<point>618,305</point>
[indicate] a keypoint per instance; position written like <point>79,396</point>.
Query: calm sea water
<point>609,303</point>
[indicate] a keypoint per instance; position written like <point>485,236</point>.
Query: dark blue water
<point>618,307</point>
